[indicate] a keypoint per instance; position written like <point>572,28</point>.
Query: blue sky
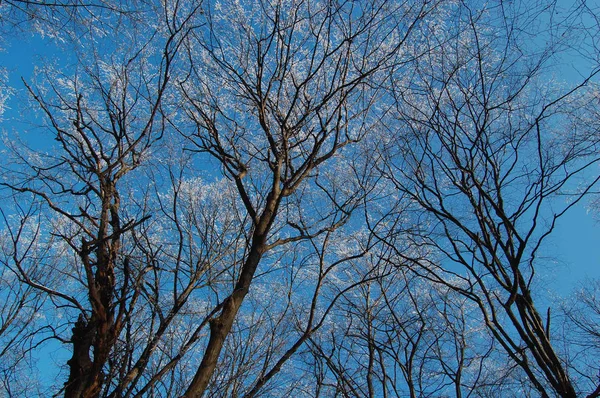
<point>576,247</point>
<point>572,252</point>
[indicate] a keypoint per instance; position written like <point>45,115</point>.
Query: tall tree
<point>285,88</point>
<point>489,151</point>
<point>293,197</point>
<point>104,115</point>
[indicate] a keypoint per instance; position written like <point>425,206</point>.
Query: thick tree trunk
<point>80,363</point>
<point>86,376</point>
<point>221,325</point>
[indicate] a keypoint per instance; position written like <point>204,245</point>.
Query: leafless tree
<point>489,151</point>
<point>104,118</point>
<point>303,198</point>
<point>304,77</point>
<point>399,335</point>
<point>580,328</point>
<point>308,90</point>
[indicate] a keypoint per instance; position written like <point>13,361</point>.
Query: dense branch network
<point>297,198</point>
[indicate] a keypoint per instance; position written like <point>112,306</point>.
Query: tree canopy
<point>296,198</point>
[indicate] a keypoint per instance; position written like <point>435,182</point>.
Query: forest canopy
<point>306,198</point>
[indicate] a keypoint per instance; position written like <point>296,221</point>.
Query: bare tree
<point>405,336</point>
<point>308,88</point>
<point>304,77</point>
<point>104,119</point>
<point>579,326</point>
<point>490,153</point>
<point>313,198</point>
